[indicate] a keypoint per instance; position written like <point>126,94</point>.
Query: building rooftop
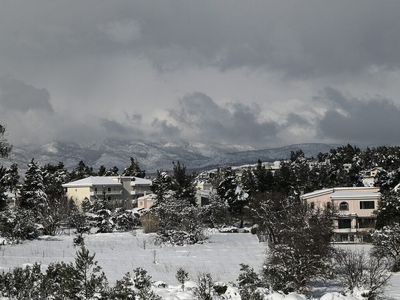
<point>93,181</point>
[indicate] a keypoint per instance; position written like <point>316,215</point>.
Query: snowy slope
<point>153,156</point>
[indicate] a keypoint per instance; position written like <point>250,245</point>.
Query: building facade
<point>113,188</point>
<point>353,207</point>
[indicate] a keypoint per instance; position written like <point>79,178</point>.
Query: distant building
<point>354,210</point>
<point>113,188</point>
<point>146,201</point>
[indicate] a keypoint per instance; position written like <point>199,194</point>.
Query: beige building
<point>146,201</point>
<point>354,210</point>
<point>113,188</point>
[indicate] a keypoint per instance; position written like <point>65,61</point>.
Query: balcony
<point>108,193</point>
<point>345,230</point>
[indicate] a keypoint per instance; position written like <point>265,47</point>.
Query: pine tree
<point>261,178</point>
<point>11,178</point>
<point>112,171</point>
<point>229,191</point>
<point>142,284</point>
<point>249,282</point>
<point>134,170</point>
<point>5,147</point>
<point>161,184</point>
<point>81,171</point>
<point>183,184</point>
<point>123,289</point>
<point>102,171</point>
<point>182,276</point>
<point>33,196</point>
<point>84,278</point>
<point>388,211</point>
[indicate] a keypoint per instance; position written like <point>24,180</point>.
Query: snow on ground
<point>121,252</point>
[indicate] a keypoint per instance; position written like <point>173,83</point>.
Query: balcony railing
<point>345,230</point>
<point>108,193</point>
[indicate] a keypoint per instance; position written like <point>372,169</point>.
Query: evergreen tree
<point>84,278</point>
<point>387,244</point>
<point>183,184</point>
<point>33,196</point>
<point>5,147</point>
<point>161,184</point>
<point>249,182</point>
<point>3,198</point>
<point>262,178</point>
<point>112,172</point>
<point>102,171</point>
<point>182,276</point>
<point>81,171</point>
<point>11,178</point>
<point>388,211</point>
<point>123,289</point>
<point>134,170</point>
<point>249,282</point>
<point>142,284</point>
<point>229,191</point>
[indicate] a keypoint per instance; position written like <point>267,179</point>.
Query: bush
<point>358,271</point>
<point>204,287</point>
<point>182,276</point>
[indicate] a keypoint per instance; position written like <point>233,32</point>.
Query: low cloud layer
<point>19,96</point>
<point>373,120</point>
<point>234,123</point>
<point>260,73</point>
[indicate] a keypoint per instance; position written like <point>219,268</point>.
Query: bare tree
<point>360,271</point>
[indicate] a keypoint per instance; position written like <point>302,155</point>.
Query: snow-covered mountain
<point>152,156</point>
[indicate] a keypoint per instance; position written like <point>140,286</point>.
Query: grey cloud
<point>165,130</point>
<point>211,122</point>
<point>367,121</point>
<point>296,38</point>
<point>293,119</point>
<point>124,31</point>
<point>114,127</point>
<point>19,96</point>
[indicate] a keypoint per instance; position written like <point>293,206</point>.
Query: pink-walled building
<point>354,210</point>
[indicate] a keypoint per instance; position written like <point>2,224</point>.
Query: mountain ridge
<point>153,156</point>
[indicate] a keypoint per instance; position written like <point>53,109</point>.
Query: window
<point>344,223</point>
<point>366,223</point>
<point>109,198</point>
<point>312,205</point>
<point>109,189</point>
<point>367,204</point>
<point>344,206</point>
<point>95,189</point>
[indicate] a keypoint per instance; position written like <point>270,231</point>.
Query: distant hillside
<point>153,156</point>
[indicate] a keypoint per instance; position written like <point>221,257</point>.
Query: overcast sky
<point>259,73</point>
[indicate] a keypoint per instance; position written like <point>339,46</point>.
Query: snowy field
<point>118,253</point>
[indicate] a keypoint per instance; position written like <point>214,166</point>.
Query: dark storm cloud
<point>211,122</point>
<point>19,96</point>
<point>367,121</point>
<point>295,38</point>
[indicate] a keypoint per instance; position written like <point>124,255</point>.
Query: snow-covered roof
<point>317,193</point>
<point>148,197</point>
<point>339,195</point>
<point>352,192</point>
<point>141,181</point>
<point>93,181</point>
